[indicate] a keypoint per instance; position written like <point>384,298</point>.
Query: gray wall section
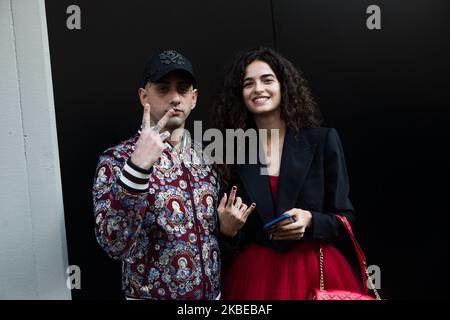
<point>32,233</point>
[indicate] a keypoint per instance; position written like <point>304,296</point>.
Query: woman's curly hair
<point>298,108</point>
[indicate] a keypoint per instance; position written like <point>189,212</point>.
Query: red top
<point>274,187</point>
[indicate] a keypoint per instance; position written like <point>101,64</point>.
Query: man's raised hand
<point>150,144</point>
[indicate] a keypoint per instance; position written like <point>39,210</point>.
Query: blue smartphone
<point>284,216</point>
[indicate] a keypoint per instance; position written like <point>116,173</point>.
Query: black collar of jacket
<point>296,158</point>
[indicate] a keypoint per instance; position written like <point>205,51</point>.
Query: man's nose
<point>175,98</point>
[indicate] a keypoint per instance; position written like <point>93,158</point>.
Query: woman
<point>306,178</point>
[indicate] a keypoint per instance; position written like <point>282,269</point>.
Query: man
<point>152,195</point>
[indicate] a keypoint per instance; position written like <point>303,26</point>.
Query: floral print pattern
<point>167,236</point>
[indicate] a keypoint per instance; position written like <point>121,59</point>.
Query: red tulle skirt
<point>260,273</point>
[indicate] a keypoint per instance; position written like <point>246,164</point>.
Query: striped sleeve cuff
<point>134,178</point>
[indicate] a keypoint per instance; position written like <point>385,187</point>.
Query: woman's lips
<point>260,100</point>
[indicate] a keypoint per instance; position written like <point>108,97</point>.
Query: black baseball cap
<point>158,65</point>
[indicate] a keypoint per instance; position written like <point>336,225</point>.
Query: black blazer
<point>313,177</point>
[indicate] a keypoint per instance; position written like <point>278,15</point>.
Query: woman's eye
<point>247,84</point>
<point>162,89</point>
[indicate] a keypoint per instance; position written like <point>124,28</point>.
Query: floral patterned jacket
<point>162,223</point>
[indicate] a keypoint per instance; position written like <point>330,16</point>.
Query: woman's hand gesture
<point>233,213</point>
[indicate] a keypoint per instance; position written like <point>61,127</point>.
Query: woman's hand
<point>233,213</point>
<point>287,230</point>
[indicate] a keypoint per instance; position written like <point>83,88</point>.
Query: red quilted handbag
<point>322,294</point>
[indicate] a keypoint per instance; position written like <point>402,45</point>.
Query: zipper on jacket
<point>196,222</point>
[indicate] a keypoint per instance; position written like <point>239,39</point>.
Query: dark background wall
<point>386,92</point>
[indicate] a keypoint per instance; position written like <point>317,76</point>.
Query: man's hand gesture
<point>150,145</point>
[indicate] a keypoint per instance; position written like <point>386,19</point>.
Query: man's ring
<point>156,127</point>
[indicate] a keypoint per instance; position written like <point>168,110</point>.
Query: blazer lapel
<point>295,162</point>
<point>257,187</point>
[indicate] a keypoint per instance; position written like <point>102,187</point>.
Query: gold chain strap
<point>372,286</point>
<point>322,285</point>
<point>322,282</point>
